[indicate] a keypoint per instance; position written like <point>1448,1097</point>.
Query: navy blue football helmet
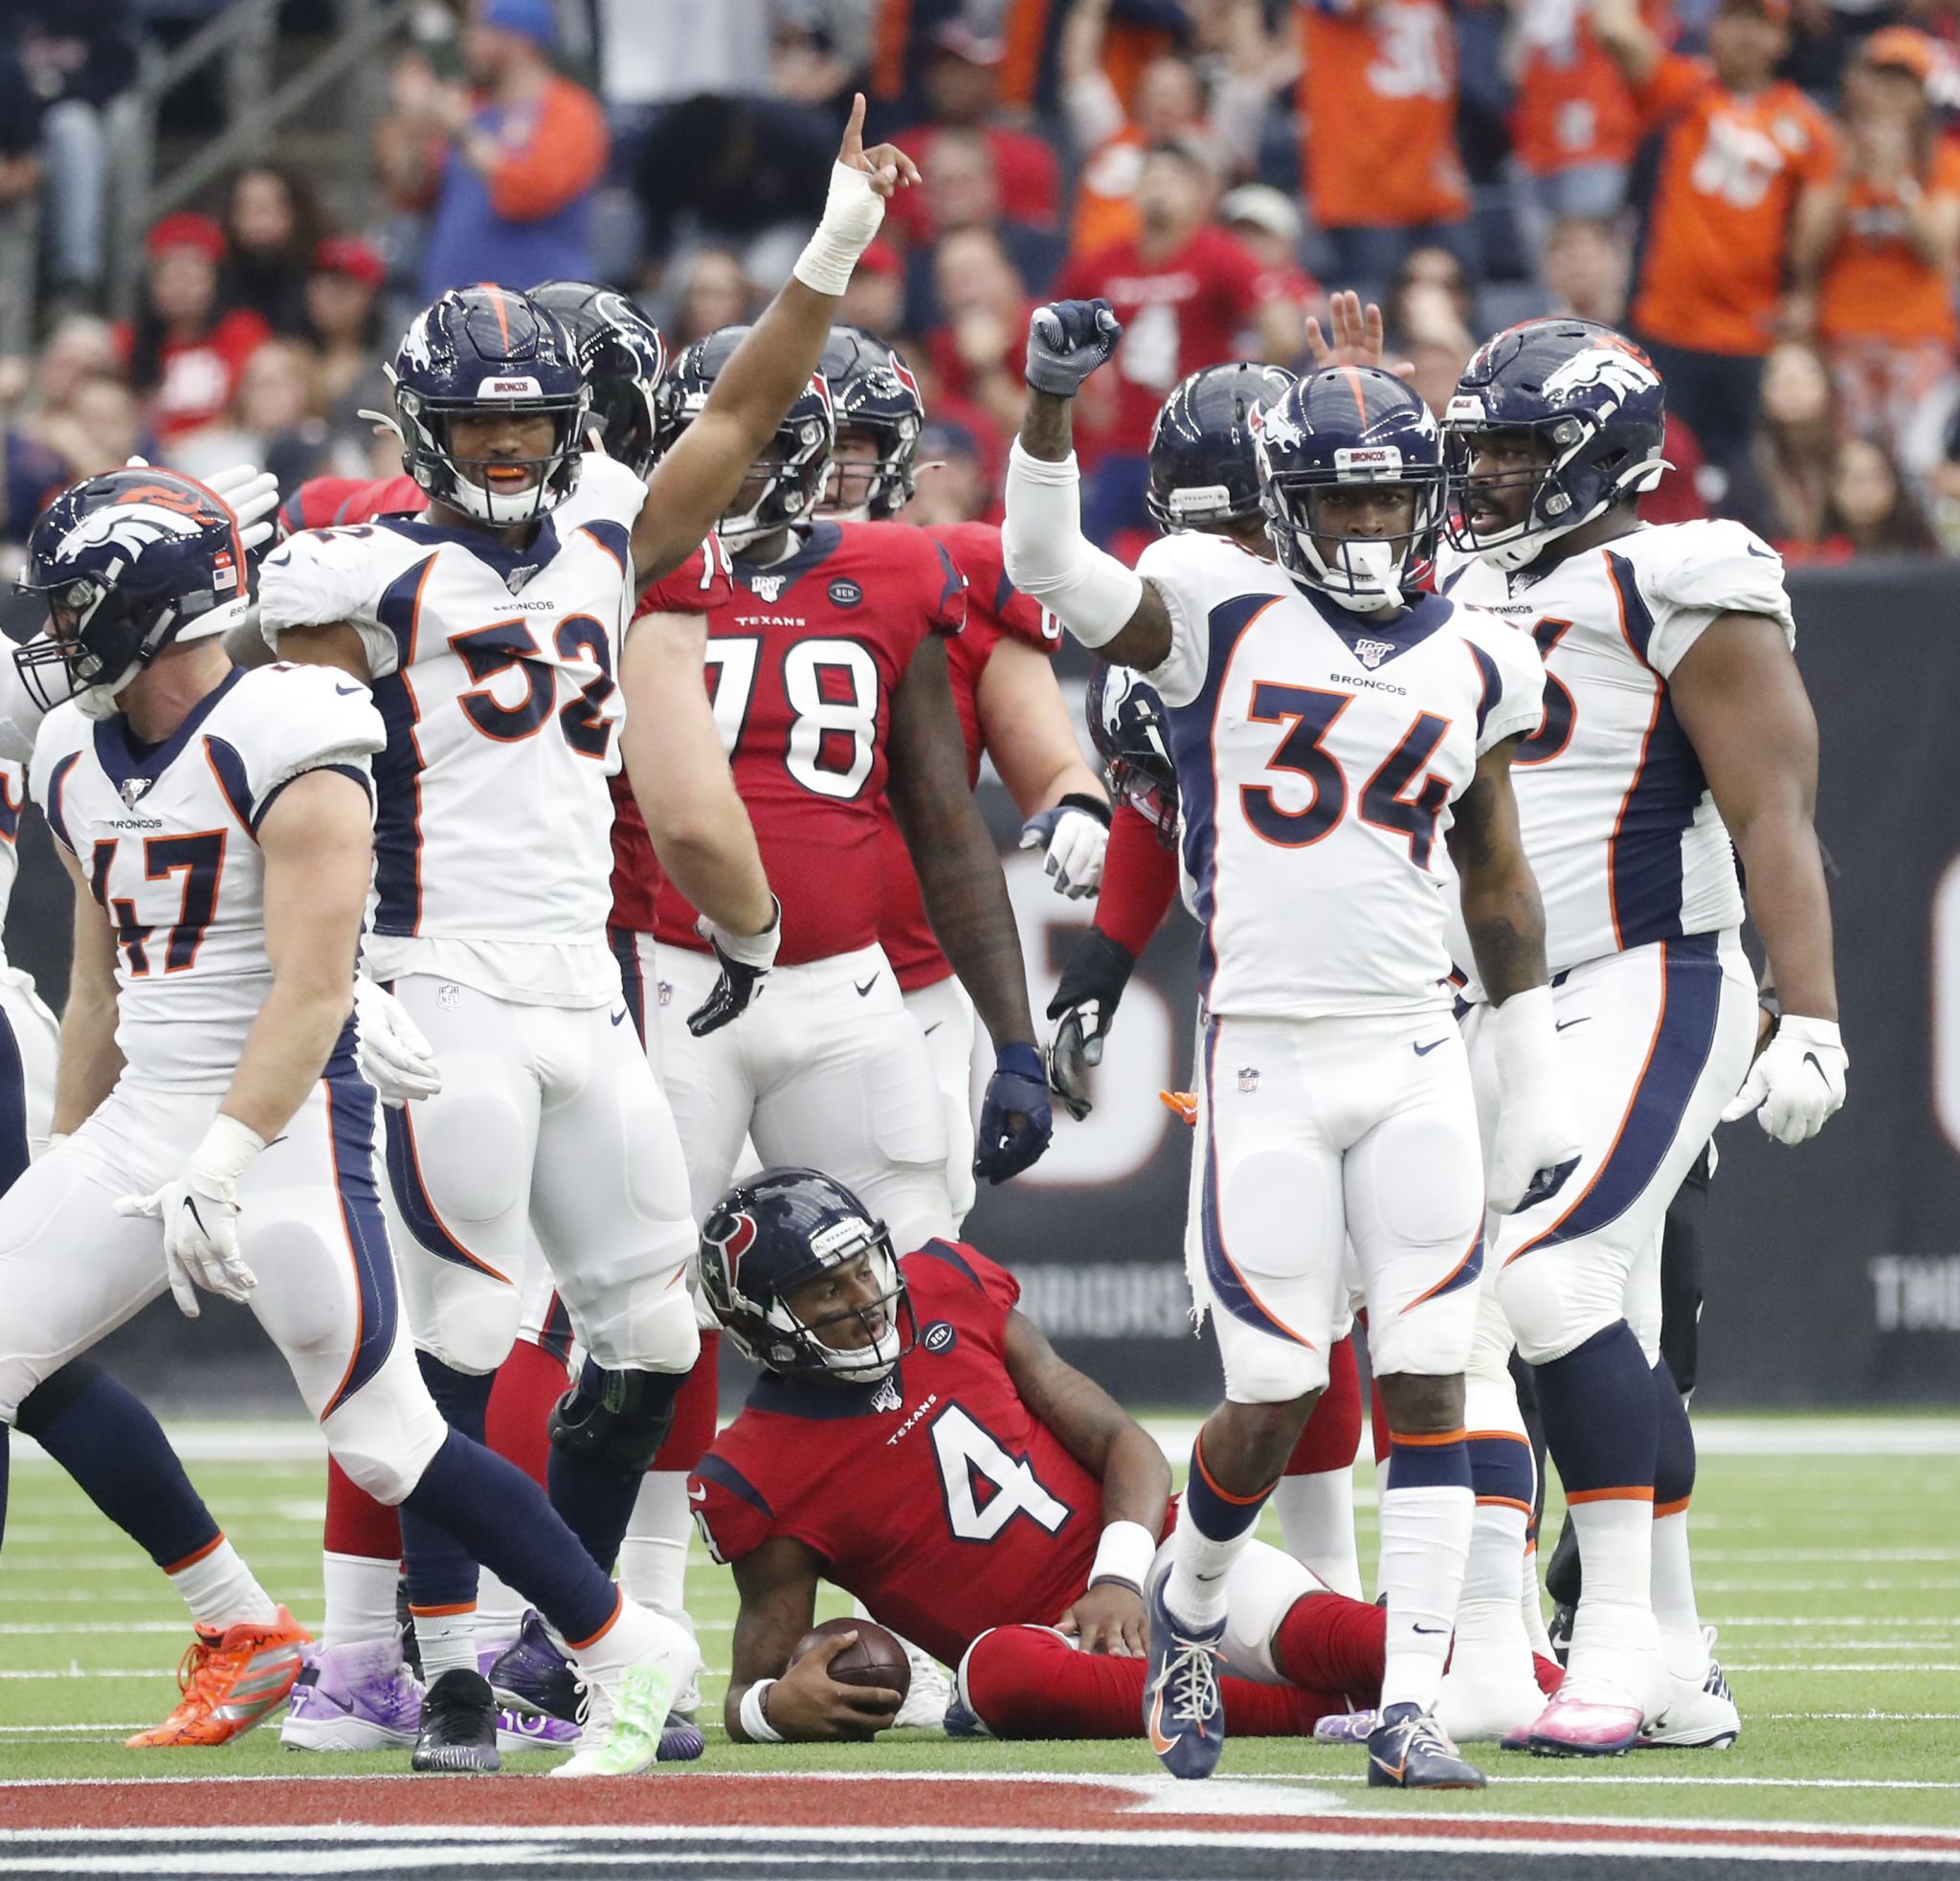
<point>1347,426</point>
<point>127,564</point>
<point>776,1232</point>
<point>623,357</point>
<point>1204,472</point>
<point>1594,400</point>
<point>873,392</point>
<point>479,351</point>
<point>795,473</point>
<point>1127,726</point>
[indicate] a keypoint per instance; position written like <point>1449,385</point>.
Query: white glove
<point>200,1216</point>
<point>395,1058</point>
<point>1076,834</point>
<point>252,494</point>
<point>1534,1147</point>
<point>1798,1081</point>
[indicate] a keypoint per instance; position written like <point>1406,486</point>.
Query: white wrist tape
<point>226,1150</point>
<point>755,1725</point>
<point>1524,1037</point>
<point>1124,1554</point>
<point>1089,591</point>
<point>852,213</point>
<point>758,951</point>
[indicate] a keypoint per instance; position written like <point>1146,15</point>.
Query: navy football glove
<point>1067,340</point>
<point>1015,1121</point>
<point>1084,1004</point>
<point>744,960</point>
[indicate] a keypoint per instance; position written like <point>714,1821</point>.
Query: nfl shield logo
<point>887,1397</point>
<point>767,586</point>
<point>664,993</point>
<point>1372,653</point>
<point>1248,1077</point>
<point>517,577</point>
<point>132,789</point>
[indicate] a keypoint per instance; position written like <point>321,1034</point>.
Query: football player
<point>1330,734</point>
<point>1676,740</point>
<point>216,1133</point>
<point>490,627</point>
<point>916,1441</point>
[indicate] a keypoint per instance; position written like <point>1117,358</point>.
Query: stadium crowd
<point>1766,192</point>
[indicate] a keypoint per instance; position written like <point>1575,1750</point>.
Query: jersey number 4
<point>832,686</point>
<point>1309,715</point>
<point>200,858</point>
<point>984,1487</point>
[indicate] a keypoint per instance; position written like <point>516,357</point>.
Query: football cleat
<point>1560,1631</point>
<point>532,1675</point>
<point>931,1693</point>
<point>1408,1749</point>
<point>353,1698</point>
<point>532,1731</point>
<point>1589,1717</point>
<point>1184,1713</point>
<point>229,1682</point>
<point>626,1712</point>
<point>1345,1727</point>
<point>458,1733</point>
<point>1490,1689</point>
<point>1698,1715</point>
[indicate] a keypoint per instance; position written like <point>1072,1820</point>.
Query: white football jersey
<point>164,836</point>
<point>494,672</point>
<point>13,798</point>
<point>1318,755</point>
<point>1622,834</point>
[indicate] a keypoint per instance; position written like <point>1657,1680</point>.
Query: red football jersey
<point>994,606</point>
<point>326,503</point>
<point>937,1498</point>
<point>802,665</point>
<point>699,584</point>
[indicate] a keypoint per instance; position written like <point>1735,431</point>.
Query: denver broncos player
<point>915,1440</point>
<point>216,1133</point>
<point>1676,738</point>
<point>1326,730</point>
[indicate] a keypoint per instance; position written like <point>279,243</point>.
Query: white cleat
<point>1699,1714</point>
<point>625,1712</point>
<point>1490,1692</point>
<point>931,1692</point>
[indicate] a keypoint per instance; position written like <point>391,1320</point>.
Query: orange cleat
<point>230,1682</point>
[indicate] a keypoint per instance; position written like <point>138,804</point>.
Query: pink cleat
<point>1586,1719</point>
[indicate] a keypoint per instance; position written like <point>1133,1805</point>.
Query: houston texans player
<point>915,1440</point>
<point>1326,730</point>
<point>217,1134</point>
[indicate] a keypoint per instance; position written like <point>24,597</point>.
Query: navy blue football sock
<point>103,1435</point>
<point>593,1493</point>
<point>1601,1418</point>
<point>498,1517</point>
<point>1674,1459</point>
<point>440,1572</point>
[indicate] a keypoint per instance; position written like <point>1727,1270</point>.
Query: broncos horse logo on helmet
<point>792,480</point>
<point>1592,399</point>
<point>775,1233</point>
<point>623,357</point>
<point>476,352</point>
<point>1204,469</point>
<point>1127,726</point>
<point>873,392</point>
<point>127,562</point>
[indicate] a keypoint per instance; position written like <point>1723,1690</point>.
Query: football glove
<point>1084,1007</point>
<point>395,1057</point>
<point>746,960</point>
<point>1076,834</point>
<point>1015,1121</point>
<point>251,494</point>
<point>200,1216</point>
<point>1067,340</point>
<point>1534,1147</point>
<point>1797,1084</point>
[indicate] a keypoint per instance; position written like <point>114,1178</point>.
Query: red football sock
<point>1028,1682</point>
<point>356,1523</point>
<point>529,1382</point>
<point>1333,1433</point>
<point>1328,1642</point>
<point>695,1411</point>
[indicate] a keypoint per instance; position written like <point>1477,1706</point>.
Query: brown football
<point>877,1658</point>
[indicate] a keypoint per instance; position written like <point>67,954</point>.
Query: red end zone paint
<point>809,1800</point>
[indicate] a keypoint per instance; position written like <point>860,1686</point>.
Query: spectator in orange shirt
<point>1379,133</point>
<point>1880,243</point>
<point>523,155</point>
<point>1739,149</point>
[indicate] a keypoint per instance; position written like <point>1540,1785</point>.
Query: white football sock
<point>447,1642</point>
<point>359,1599</point>
<point>1614,1635</point>
<point>1317,1525</point>
<point>499,1609</point>
<point>1199,1568</point>
<point>220,1590</point>
<point>1425,1544</point>
<point>1531,1597</point>
<point>653,1559</point>
<point>1497,1551</point>
<point>1675,1610</point>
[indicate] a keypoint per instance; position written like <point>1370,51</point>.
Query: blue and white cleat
<point>1409,1750</point>
<point>1184,1713</point>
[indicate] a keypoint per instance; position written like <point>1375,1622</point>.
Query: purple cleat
<point>532,1675</point>
<point>533,1731</point>
<point>353,1698</point>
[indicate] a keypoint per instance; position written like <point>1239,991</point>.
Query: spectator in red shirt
<point>184,356</point>
<point>1189,295</point>
<point>977,351</point>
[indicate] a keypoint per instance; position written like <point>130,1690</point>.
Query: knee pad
<point>1261,1368</point>
<point>1553,1306</point>
<point>471,1323</point>
<point>387,1434</point>
<point>615,1421</point>
<point>639,1314</point>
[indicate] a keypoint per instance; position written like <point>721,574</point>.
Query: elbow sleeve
<point>1048,557</point>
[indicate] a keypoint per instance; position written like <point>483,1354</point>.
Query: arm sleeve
<point>563,158</point>
<point>1711,568</point>
<point>319,578</point>
<point>1139,881</point>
